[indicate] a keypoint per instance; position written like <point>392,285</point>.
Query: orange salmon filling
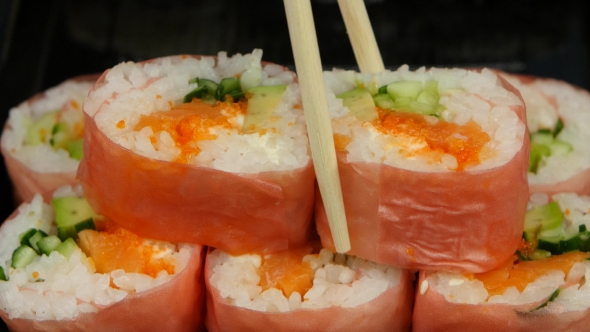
<point>189,123</point>
<point>116,248</point>
<point>285,271</point>
<point>520,274</point>
<point>463,142</point>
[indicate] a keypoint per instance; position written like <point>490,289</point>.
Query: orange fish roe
<point>520,274</point>
<point>286,272</point>
<point>75,104</point>
<point>341,142</point>
<point>463,142</point>
<point>189,123</point>
<point>116,248</point>
<point>121,124</point>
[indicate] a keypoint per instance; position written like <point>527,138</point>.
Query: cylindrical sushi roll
<point>63,268</point>
<point>544,287</point>
<point>42,139</point>
<point>558,117</point>
<point>202,150</point>
<point>296,291</point>
<point>432,165</point>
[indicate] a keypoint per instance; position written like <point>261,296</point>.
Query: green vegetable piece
<point>227,86</point>
<point>558,127</point>
<point>403,104</point>
<point>421,108</point>
<point>384,101</point>
<point>23,256</point>
<point>382,90</point>
<point>407,89</point>
<point>360,103</point>
<point>262,102</point>
<point>551,298</point>
<point>560,148</point>
<point>543,218</point>
<point>76,148</point>
<point>70,211</point>
<point>61,135</point>
<point>429,98</point>
<point>67,248</point>
<point>537,153</point>
<point>539,254</point>
<point>542,137</point>
<point>2,274</point>
<point>582,228</point>
<point>33,240</point>
<point>204,91</point>
<point>40,130</point>
<point>25,236</point>
<point>48,244</point>
<point>86,224</point>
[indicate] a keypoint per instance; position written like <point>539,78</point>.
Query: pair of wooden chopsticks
<point>309,70</point>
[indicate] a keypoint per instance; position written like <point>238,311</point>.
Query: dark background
<point>45,42</point>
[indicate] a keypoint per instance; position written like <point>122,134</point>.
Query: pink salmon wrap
<point>459,221</point>
<point>432,312</point>
<point>235,212</point>
<point>27,182</point>
<point>391,311</point>
<point>579,183</point>
<point>177,305</point>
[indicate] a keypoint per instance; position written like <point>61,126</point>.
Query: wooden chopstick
<point>361,36</point>
<point>309,71</point>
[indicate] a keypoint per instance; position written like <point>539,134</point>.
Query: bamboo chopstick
<point>309,71</point>
<point>361,36</point>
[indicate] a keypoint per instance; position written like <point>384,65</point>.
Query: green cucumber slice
<point>539,254</point>
<point>33,240</point>
<point>227,86</point>
<point>543,218</point>
<point>542,137</point>
<point>558,127</point>
<point>382,90</point>
<point>67,248</point>
<point>76,148</point>
<point>70,211</point>
<point>428,97</point>
<point>61,135</point>
<point>2,274</point>
<point>383,100</point>
<point>205,90</point>
<point>560,148</point>
<point>360,103</point>
<point>407,89</point>
<point>421,108</point>
<point>23,256</point>
<point>25,236</point>
<point>40,130</point>
<point>48,244</point>
<point>536,156</point>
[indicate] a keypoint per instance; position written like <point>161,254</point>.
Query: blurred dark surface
<point>45,42</point>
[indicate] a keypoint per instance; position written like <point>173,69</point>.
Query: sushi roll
<point>42,139</point>
<point>544,287</point>
<point>558,117</point>
<point>432,164</point>
<point>297,291</point>
<point>201,149</point>
<point>63,268</point>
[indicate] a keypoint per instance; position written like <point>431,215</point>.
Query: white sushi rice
<point>573,107</point>
<point>54,287</point>
<point>42,157</point>
<point>339,280</point>
<point>466,95</point>
<point>576,296</point>
<point>134,89</point>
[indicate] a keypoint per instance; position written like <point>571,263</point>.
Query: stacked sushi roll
<point>298,291</point>
<point>558,116</point>
<point>211,150</point>
<point>42,139</point>
<point>432,165</point>
<point>542,288</point>
<point>65,268</point>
